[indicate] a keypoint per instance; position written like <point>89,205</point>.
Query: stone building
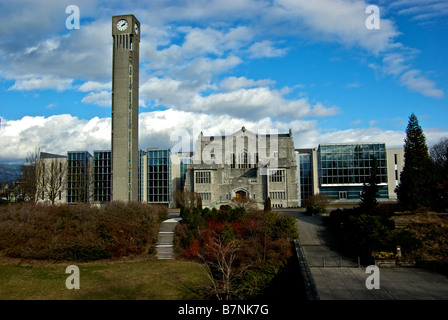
<point>247,165</point>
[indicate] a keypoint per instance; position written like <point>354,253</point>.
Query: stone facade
<point>244,165</point>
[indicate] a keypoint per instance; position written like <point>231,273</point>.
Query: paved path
<point>348,282</point>
<point>166,235</point>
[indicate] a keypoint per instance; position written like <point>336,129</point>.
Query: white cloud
<point>169,92</point>
<point>102,98</point>
<point>393,139</point>
<point>342,21</point>
<point>42,83</point>
<point>394,64</point>
<point>258,103</point>
<point>416,82</point>
<point>56,134</point>
<point>95,86</point>
<point>265,49</point>
<point>62,133</point>
<point>427,11</point>
<point>234,83</point>
<point>79,54</point>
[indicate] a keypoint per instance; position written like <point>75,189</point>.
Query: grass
<point>104,280</point>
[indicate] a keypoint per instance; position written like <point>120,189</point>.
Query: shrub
<point>277,226</point>
<point>78,232</point>
<point>382,255</point>
<point>242,250</point>
<point>316,204</point>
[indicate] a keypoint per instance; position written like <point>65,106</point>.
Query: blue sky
<point>215,66</point>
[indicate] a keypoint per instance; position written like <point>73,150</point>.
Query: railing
<point>311,291</point>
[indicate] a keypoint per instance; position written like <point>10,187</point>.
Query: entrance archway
<point>240,195</point>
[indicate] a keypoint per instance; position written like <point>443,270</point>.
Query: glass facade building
<point>343,169</point>
<point>102,176</point>
<point>78,176</point>
<point>159,176</point>
<point>305,167</point>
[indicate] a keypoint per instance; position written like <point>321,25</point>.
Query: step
<point>165,252</point>
<point>167,226</point>
<point>165,238</point>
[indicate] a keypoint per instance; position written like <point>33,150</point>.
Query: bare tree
<point>439,152</point>
<point>187,199</point>
<point>30,174</point>
<point>52,179</point>
<point>219,265</point>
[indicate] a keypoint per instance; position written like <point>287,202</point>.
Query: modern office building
<point>343,169</point>
<point>159,184</point>
<point>125,84</point>
<point>305,173</point>
<point>79,176</point>
<point>102,176</point>
<point>244,165</point>
<point>340,170</point>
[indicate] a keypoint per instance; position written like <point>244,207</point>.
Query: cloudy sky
<point>214,66</point>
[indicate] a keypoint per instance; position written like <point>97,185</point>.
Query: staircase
<point>166,236</point>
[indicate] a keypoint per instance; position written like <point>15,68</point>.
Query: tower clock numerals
<point>136,28</point>
<point>122,25</point>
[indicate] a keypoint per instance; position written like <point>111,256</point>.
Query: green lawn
<point>124,280</point>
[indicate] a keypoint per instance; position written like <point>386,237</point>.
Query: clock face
<point>136,28</point>
<point>122,25</point>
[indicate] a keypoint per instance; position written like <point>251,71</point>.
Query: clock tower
<point>125,72</point>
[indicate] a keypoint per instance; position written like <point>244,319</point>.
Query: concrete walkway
<point>348,282</point>
<point>166,236</point>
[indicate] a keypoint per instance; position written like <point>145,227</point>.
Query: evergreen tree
<point>267,204</point>
<point>369,203</point>
<point>199,203</point>
<point>416,179</point>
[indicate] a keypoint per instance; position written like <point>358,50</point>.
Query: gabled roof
<point>244,131</point>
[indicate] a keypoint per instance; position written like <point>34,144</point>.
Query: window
<point>203,177</point>
<point>277,195</point>
<point>277,176</point>
<point>205,196</point>
<point>342,195</point>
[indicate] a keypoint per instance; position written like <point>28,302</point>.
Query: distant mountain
<point>10,172</point>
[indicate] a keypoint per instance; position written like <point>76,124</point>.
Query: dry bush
<point>78,232</point>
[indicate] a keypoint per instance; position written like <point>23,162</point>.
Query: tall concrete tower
<point>125,69</point>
